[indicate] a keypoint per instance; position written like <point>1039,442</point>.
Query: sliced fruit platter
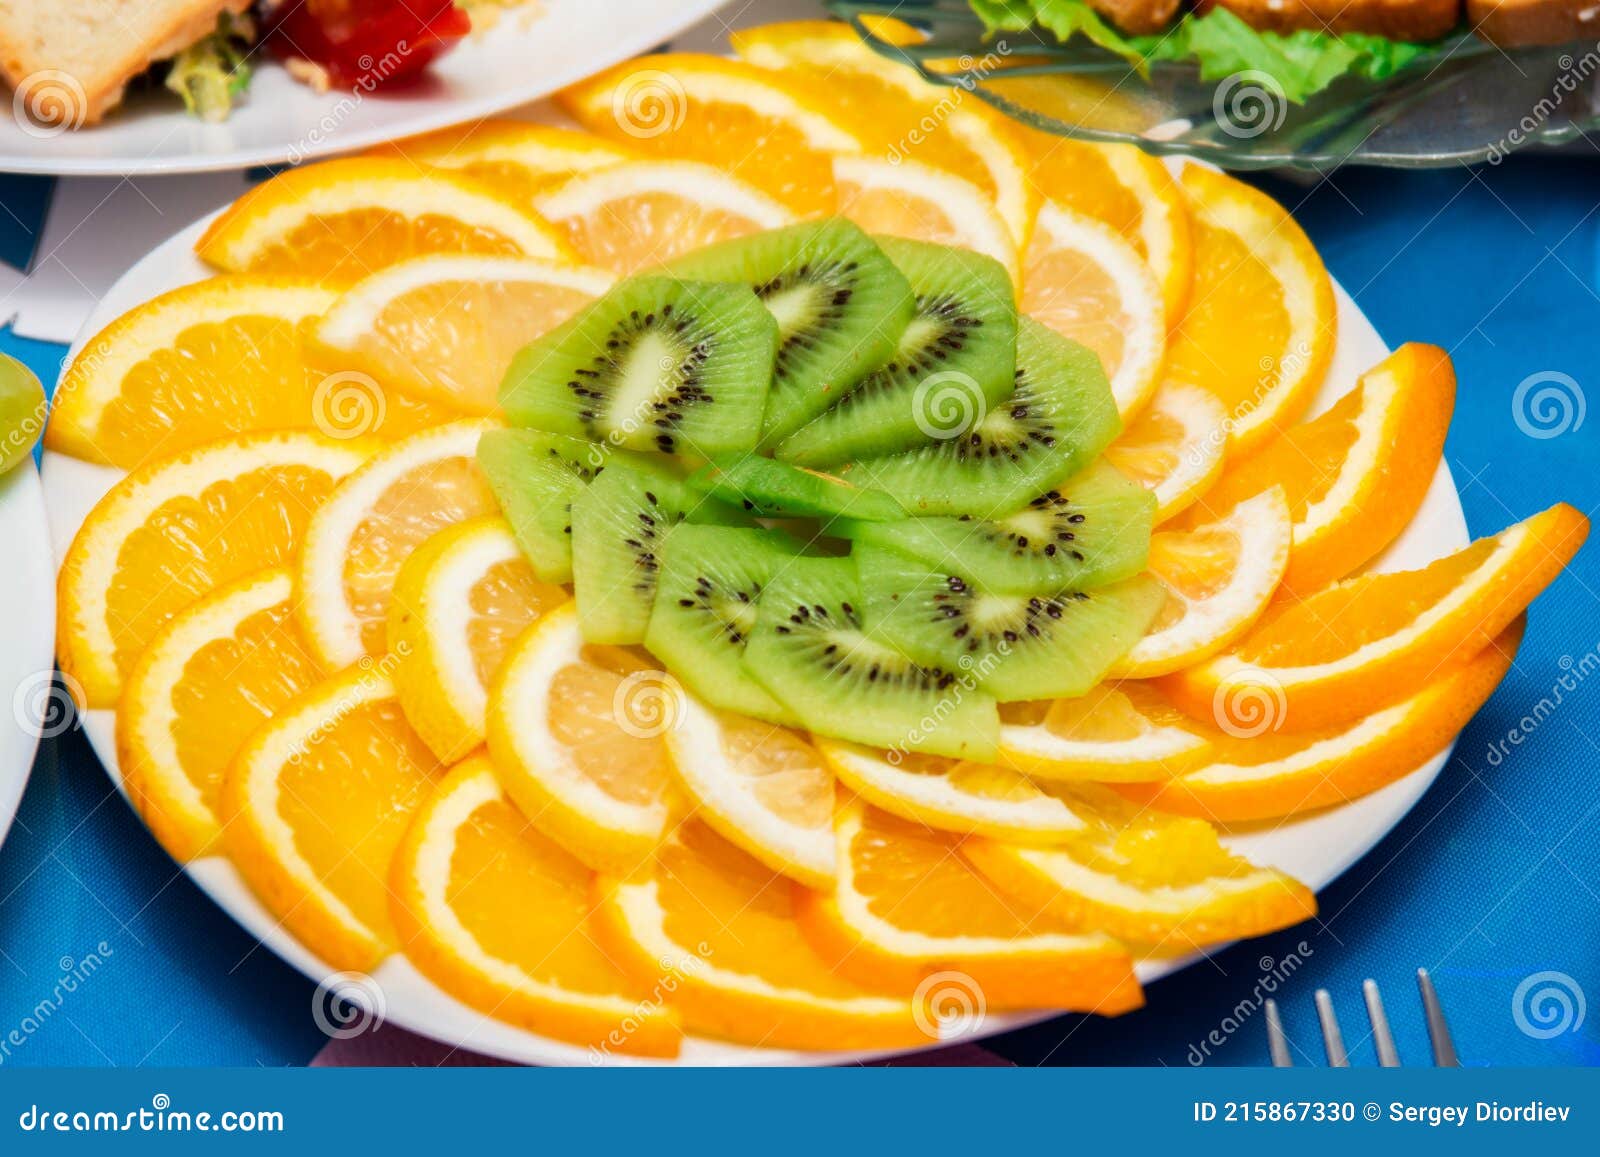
<point>729,591</point>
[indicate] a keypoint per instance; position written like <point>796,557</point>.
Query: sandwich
<point>70,61</point>
<point>1303,45</point>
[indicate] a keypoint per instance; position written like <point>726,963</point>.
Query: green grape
<point>22,410</point>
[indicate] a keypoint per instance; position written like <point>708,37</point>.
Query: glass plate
<point>1466,102</point>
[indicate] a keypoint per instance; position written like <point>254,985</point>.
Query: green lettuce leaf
<point>1302,64</point>
<point>212,72</point>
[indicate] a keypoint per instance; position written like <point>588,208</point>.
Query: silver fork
<point>1444,1049</point>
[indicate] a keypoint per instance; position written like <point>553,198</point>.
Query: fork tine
<point>1444,1048</point>
<point>1277,1043</point>
<point>1382,1039</point>
<point>1332,1038</point>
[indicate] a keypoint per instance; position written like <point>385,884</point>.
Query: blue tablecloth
<point>1495,877</point>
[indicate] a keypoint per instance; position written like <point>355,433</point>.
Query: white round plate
<point>27,636</point>
<point>1315,849</point>
<point>520,58</point>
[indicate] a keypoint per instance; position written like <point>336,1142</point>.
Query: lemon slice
<point>953,795</point>
<point>460,601</point>
<point>446,328</point>
<point>1083,280</point>
<point>762,786</point>
<point>643,213</point>
<point>1219,577</point>
<point>356,543</point>
<point>1175,447</point>
<point>576,736</point>
<point>914,200</point>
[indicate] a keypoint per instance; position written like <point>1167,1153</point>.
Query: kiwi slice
<point>1091,530</point>
<point>654,364</point>
<point>958,353</point>
<point>619,523</point>
<point>1057,420</point>
<point>840,305</point>
<point>535,476</point>
<point>1039,646</point>
<point>811,652</point>
<point>706,608</point>
<point>770,489</point>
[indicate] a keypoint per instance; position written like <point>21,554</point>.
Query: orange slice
<point>764,787</point>
<point>337,221</point>
<point>1144,877</point>
<point>1175,447</point>
<point>460,601</point>
<point>576,735</point>
<point>494,913</point>
<point>1260,326</point>
<point>224,356</point>
<point>356,543</point>
<point>1123,732</point>
<point>897,114</point>
<point>1080,278</point>
<point>1125,187</point>
<point>954,795</point>
<point>178,529</point>
<point>717,929</point>
<point>911,199</point>
<point>761,128</point>
<point>1356,475</point>
<point>213,674</point>
<point>1361,644</point>
<point>446,328</point>
<point>633,216</point>
<point>1280,775</point>
<point>518,158</point>
<point>1219,577</point>
<point>909,915</point>
<point>314,807</point>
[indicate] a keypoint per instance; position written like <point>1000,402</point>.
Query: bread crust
<point>1516,23</point>
<point>1394,19</point>
<point>21,57</point>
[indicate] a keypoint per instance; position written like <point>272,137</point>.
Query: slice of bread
<point>69,60</point>
<point>1511,23</point>
<point>1395,19</point>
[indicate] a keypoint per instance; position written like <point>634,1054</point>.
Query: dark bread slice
<point>1394,19</point>
<point>1512,23</point>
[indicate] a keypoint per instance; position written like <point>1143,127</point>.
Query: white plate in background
<point>523,56</point>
